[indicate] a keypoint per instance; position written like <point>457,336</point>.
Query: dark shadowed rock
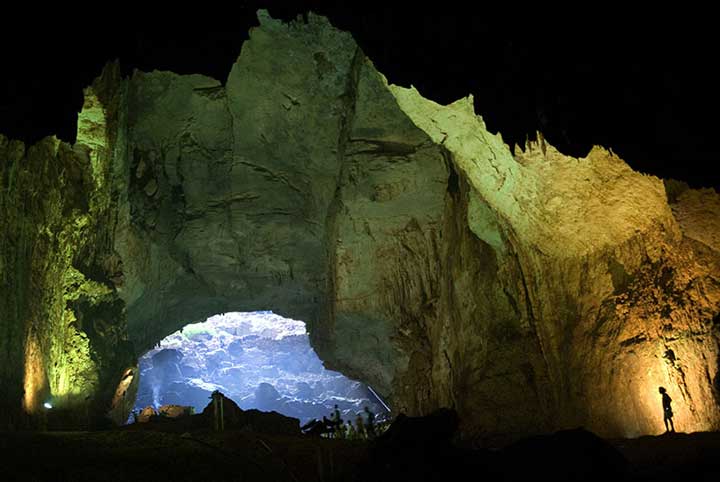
<point>253,420</point>
<point>437,428</point>
<point>167,355</point>
<point>421,448</point>
<point>566,455</point>
<point>184,393</point>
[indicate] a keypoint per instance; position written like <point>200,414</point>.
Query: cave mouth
<point>258,359</point>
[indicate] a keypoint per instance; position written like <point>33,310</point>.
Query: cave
<point>477,291</point>
<point>259,360</point>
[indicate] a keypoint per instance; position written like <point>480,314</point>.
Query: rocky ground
<point>241,455</point>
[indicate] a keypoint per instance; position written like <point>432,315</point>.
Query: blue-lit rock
<point>260,360</point>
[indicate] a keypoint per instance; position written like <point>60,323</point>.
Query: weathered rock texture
<point>64,337</point>
<point>528,290</point>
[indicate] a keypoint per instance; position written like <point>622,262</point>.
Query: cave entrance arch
<point>259,359</point>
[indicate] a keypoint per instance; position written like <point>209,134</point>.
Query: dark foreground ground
<point>131,455</point>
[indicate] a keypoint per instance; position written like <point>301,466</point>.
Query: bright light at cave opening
<point>260,360</point>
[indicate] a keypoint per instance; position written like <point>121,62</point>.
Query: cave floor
<point>131,455</point>
<point>158,456</point>
<point>677,456</point>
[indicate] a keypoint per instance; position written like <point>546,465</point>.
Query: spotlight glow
<point>35,377</point>
<point>47,405</point>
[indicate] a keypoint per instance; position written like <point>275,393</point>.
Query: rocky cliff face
<point>590,257</point>
<point>64,337</point>
<point>528,289</point>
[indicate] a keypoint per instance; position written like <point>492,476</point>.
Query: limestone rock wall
<point>529,290</point>
<point>228,188</point>
<point>617,300</point>
<point>64,338</point>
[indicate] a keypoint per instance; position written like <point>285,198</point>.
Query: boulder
<point>235,349</point>
<point>166,356</point>
<point>266,397</point>
<point>253,420</point>
<point>175,411</point>
<point>565,455</point>
<point>404,432</point>
<point>419,448</point>
<point>146,414</point>
<point>304,391</point>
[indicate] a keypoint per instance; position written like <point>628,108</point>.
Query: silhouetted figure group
<point>335,427</point>
<point>667,410</point>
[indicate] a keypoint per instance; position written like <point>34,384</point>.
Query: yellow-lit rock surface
<point>618,300</point>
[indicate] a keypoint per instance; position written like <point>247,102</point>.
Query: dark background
<point>642,84</point>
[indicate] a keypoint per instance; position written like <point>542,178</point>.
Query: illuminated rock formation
<point>64,338</point>
<point>529,290</point>
<point>612,300</point>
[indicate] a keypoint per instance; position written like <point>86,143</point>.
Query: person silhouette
<point>370,423</point>
<point>360,427</point>
<point>667,410</point>
<point>351,433</point>
<point>337,422</point>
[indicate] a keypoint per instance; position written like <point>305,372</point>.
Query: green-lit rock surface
<point>529,290</point>
<point>64,338</point>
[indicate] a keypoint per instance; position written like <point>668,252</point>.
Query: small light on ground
<point>47,405</point>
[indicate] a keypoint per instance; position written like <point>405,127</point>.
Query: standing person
<point>327,427</point>
<point>667,410</point>
<point>337,422</point>
<point>370,423</point>
<point>359,426</point>
<point>351,434</point>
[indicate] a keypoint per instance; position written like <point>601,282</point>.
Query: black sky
<point>642,85</point>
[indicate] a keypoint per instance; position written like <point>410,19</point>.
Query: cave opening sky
<point>639,83</point>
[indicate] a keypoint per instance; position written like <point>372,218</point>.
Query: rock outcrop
<point>63,328</point>
<point>528,290</point>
